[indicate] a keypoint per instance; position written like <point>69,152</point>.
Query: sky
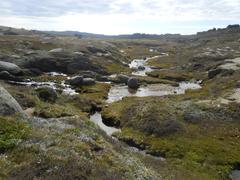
<point>114,17</point>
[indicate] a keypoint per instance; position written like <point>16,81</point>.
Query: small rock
<point>88,81</point>
<point>133,83</point>
<point>238,84</point>
<point>47,94</point>
<point>79,53</point>
<point>141,68</point>
<point>214,72</point>
<point>76,81</point>
<point>122,78</point>
<point>4,75</point>
<point>57,50</point>
<point>87,74</point>
<point>10,67</point>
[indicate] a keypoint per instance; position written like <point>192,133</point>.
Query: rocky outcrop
<point>8,105</point>
<point>10,67</point>
<point>65,63</point>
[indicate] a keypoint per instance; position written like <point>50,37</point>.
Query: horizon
<point>119,17</point>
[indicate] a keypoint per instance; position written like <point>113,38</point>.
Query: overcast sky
<point>120,16</point>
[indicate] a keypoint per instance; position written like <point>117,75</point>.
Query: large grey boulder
<point>133,83</point>
<point>8,105</point>
<point>10,67</point>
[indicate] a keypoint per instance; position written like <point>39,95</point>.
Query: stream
<point>118,92</point>
<point>141,67</point>
<point>97,119</point>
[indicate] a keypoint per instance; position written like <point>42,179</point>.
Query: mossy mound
<point>205,145</point>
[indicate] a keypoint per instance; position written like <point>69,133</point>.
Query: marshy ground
<point>182,122</point>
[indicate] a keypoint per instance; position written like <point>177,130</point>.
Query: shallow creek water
<point>137,63</point>
<point>117,92</point>
<point>97,119</point>
<point>65,88</point>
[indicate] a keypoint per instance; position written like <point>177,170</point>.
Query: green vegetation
<point>12,132</point>
<point>171,75</point>
<point>99,91</point>
<point>197,133</point>
<point>202,140</point>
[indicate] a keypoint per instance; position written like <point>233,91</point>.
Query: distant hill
<point>231,29</point>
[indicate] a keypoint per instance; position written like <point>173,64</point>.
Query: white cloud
<point>119,16</point>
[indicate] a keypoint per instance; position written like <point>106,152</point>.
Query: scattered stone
<point>4,75</point>
<point>122,78</point>
<point>231,64</point>
<point>8,105</point>
<point>88,81</point>
<point>56,51</point>
<point>214,72</point>
<point>141,68</point>
<point>47,94</point>
<point>10,67</point>
<point>76,81</point>
<point>79,53</point>
<point>238,84</point>
<point>15,56</point>
<point>87,74</point>
<point>223,72</point>
<point>133,83</point>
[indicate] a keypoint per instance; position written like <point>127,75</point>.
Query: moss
<point>154,80</point>
<point>99,91</point>
<point>113,68</point>
<point>202,154</point>
<point>171,75</point>
<point>202,149</point>
<point>53,111</point>
<point>48,78</point>
<point>12,131</point>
